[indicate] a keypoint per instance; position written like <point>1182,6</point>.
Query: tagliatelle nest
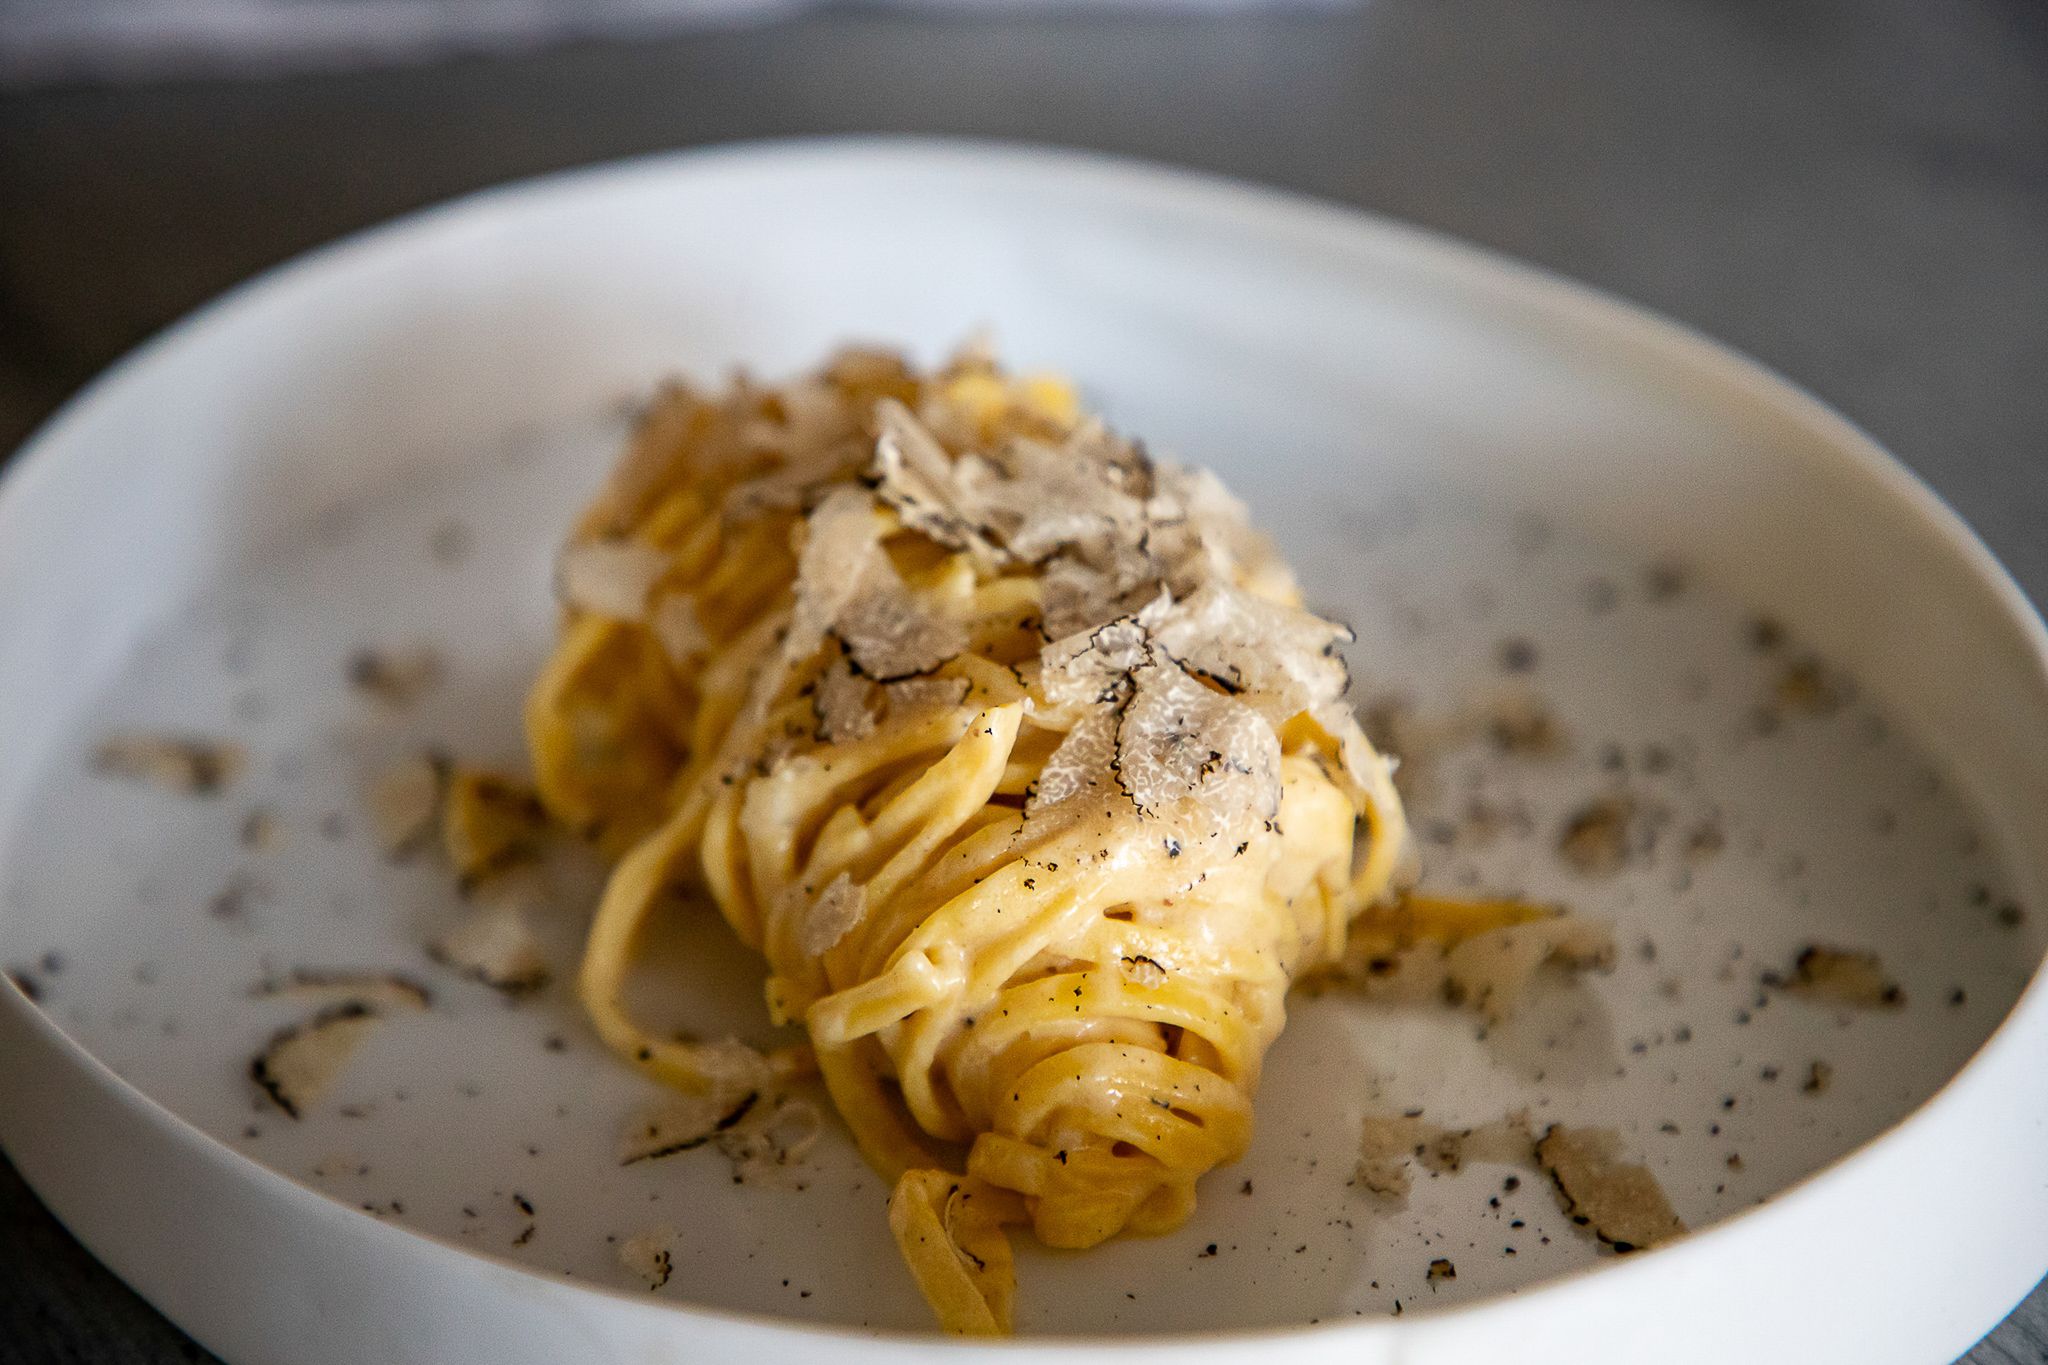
<point>1014,752</point>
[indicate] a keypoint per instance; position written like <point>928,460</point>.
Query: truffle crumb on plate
<point>382,989</point>
<point>183,764</point>
<point>1619,1201</point>
<point>1840,976</point>
<point>395,677</point>
<point>649,1255</point>
<point>301,1062</point>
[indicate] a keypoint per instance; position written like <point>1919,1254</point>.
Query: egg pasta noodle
<point>1011,751</point>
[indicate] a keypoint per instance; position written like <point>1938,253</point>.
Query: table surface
<point>1855,191</point>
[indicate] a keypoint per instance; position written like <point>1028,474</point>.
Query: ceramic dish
<point>1821,704</point>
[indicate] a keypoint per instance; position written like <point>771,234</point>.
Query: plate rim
<point>1676,346</point>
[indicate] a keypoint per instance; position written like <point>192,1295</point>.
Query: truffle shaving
<point>489,823</point>
<point>771,1141</point>
<point>1178,743</point>
<point>493,944</point>
<point>650,1256</point>
<point>911,695</point>
<point>405,803</point>
<point>1081,762</point>
<point>1040,498</point>
<point>675,623</point>
<point>189,766</point>
<point>1840,976</point>
<point>610,578</point>
<point>844,704</point>
<point>842,538</point>
<point>839,907</point>
<point>683,1124</point>
<point>1619,1201</point>
<point>1093,668</point>
<point>913,474</point>
<point>1391,1144</point>
<point>396,678</point>
<point>303,1061</point>
<point>1491,971</point>
<point>1283,657</point>
<point>384,990</point>
<point>890,635</point>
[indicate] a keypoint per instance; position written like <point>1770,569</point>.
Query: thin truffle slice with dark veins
<point>843,703</point>
<point>683,1124</point>
<point>842,541</point>
<point>387,990</point>
<point>1038,499</point>
<point>833,915</point>
<point>649,1255</point>
<point>1180,746</point>
<point>1080,763</point>
<point>1841,976</point>
<point>1093,668</point>
<point>302,1062</point>
<point>183,764</point>
<point>396,678</point>
<point>1390,1144</point>
<point>1619,1201</point>
<point>405,803</point>
<point>492,943</point>
<point>913,473</point>
<point>889,635</point>
<point>1283,658</point>
<point>609,578</point>
<point>1491,971</point>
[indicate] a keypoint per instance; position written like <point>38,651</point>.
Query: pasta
<point>1013,753</point>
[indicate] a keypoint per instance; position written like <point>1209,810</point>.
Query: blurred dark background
<point>1857,193</point>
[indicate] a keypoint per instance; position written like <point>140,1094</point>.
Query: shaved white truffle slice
<point>490,823</point>
<point>1094,668</point>
<point>842,539</point>
<point>683,1123</point>
<point>190,766</point>
<point>609,578</point>
<point>1179,743</point>
<point>1491,971</point>
<point>650,1256</point>
<point>838,909</point>
<point>396,678</point>
<point>1080,763</point>
<point>1207,534</point>
<point>388,990</point>
<point>814,414</point>
<point>912,472</point>
<point>843,702</point>
<point>1388,1144</point>
<point>1620,1201</point>
<point>889,635</point>
<point>1039,499</point>
<point>1841,976</point>
<point>1282,658</point>
<point>1072,596</point>
<point>676,625</point>
<point>405,803</point>
<point>303,1061</point>
<point>493,944</point>
<point>912,695</point>
<point>771,1140</point>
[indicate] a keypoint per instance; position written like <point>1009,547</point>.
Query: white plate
<point>1456,452</point>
